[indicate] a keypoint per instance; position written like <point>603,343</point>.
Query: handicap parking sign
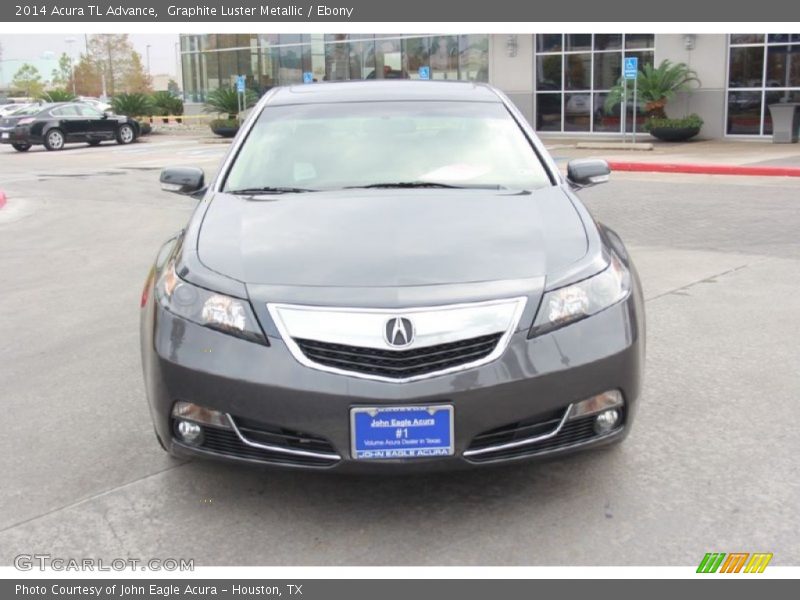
<point>308,77</point>
<point>631,67</point>
<point>240,82</point>
<point>424,72</point>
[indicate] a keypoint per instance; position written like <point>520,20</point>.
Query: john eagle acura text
<point>390,275</point>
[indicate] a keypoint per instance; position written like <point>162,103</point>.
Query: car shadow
<point>540,481</point>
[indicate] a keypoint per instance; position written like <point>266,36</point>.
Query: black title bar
<point>486,11</point>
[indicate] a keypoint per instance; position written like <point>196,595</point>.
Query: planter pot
<point>674,134</point>
<point>226,131</point>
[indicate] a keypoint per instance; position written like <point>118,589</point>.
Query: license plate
<point>401,431</point>
<point>5,136</point>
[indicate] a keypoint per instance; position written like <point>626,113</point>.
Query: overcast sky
<point>18,49</point>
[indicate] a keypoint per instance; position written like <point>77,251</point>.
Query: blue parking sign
<point>308,77</point>
<point>240,83</point>
<point>424,72</point>
<point>631,67</point>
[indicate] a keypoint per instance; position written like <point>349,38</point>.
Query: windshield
<point>32,109</point>
<point>334,146</point>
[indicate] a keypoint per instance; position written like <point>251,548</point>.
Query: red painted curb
<point>705,169</point>
<point>2,199</point>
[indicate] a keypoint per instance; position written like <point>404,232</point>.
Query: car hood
<point>389,237</point>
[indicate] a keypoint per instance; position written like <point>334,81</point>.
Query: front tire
<point>54,140</point>
<point>21,147</point>
<point>125,134</point>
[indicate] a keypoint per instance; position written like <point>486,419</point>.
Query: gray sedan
<point>390,276</point>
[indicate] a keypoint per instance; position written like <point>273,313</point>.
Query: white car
<point>95,103</point>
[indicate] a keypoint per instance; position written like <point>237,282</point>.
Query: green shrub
<point>690,122</point>
<point>164,103</point>
<point>226,101</point>
<point>57,95</point>
<point>132,105</point>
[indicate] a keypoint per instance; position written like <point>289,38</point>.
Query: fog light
<point>189,432</point>
<point>596,404</point>
<point>606,421</point>
<point>200,414</point>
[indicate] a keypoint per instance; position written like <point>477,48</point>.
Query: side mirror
<point>585,172</point>
<point>182,180</point>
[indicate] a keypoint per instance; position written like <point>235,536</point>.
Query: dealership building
<point>559,81</point>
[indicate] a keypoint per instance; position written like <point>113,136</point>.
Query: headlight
<point>574,302</point>
<point>210,309</point>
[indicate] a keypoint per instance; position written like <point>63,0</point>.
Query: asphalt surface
<point>711,463</point>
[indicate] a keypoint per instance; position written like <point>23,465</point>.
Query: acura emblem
<point>398,332</point>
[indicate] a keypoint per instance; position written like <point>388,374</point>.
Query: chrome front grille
<point>400,364</point>
<point>398,344</point>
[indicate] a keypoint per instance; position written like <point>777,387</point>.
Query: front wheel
<point>125,134</point>
<point>54,140</point>
<point>21,147</point>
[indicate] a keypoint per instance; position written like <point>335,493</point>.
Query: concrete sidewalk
<point>720,157</point>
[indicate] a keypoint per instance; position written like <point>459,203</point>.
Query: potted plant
<point>655,86</point>
<point>165,104</point>
<point>137,106</point>
<point>226,101</point>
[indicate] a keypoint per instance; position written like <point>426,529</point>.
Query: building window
<point>762,70</point>
<point>266,60</point>
<point>574,73</point>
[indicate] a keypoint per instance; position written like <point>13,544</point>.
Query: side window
<point>88,111</point>
<point>65,111</point>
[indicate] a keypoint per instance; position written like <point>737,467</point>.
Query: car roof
<point>383,91</point>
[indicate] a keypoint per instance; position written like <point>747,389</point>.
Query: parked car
<point>8,123</point>
<point>58,124</point>
<point>390,275</point>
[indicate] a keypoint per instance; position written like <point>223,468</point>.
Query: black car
<point>390,275</point>
<point>54,125</point>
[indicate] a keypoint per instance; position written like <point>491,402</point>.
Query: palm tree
<point>655,87</point>
<point>226,101</point>
<point>57,95</point>
<point>134,105</point>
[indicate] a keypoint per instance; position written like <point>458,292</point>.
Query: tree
<point>137,81</point>
<point>173,87</point>
<point>63,74</point>
<point>88,81</point>
<point>655,87</point>
<point>226,100</point>
<point>28,80</point>
<point>119,62</point>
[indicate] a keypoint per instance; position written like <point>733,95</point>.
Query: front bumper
<point>532,383</point>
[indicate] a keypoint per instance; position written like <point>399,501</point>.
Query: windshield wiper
<point>269,190</point>
<point>425,184</point>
